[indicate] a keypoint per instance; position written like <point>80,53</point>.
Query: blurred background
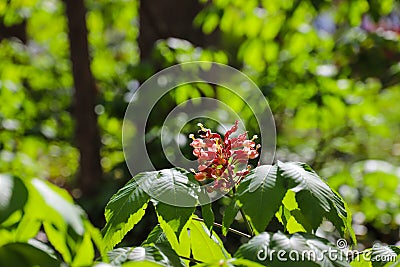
<point>329,69</point>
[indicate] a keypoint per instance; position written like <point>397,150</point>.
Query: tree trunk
<point>84,100</point>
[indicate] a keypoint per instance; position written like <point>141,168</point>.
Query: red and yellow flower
<point>224,160</point>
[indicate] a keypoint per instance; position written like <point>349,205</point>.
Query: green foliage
<point>178,232</point>
<point>24,254</point>
<point>181,237</point>
<point>378,255</point>
<point>229,216</point>
<point>197,241</point>
<point>208,215</point>
<point>333,87</point>
<point>65,224</point>
<point>12,197</point>
<point>163,256</point>
<point>205,245</point>
<point>231,263</point>
<point>128,205</point>
<point>314,197</point>
<point>300,248</point>
<point>261,190</point>
<point>125,209</point>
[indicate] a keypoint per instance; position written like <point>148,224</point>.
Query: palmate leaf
<point>61,202</point>
<point>197,241</point>
<point>314,197</point>
<point>159,237</point>
<point>125,209</point>
<point>44,204</point>
<point>377,256</point>
<point>206,246</point>
<point>173,219</point>
<point>65,223</point>
<point>162,255</point>
<point>231,263</point>
<point>128,205</point>
<point>261,194</point>
<point>157,254</point>
<point>174,186</point>
<point>299,249</point>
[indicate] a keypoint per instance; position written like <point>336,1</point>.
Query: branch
<point>248,225</point>
<point>229,229</point>
<point>190,259</point>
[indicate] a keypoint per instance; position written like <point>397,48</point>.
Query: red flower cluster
<point>220,159</point>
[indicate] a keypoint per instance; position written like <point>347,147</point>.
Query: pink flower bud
<point>202,167</point>
<point>200,176</point>
<point>253,154</point>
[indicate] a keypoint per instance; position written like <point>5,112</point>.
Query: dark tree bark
<point>14,31</point>
<point>160,19</point>
<point>87,131</point>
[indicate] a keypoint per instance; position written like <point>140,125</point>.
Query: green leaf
<point>197,241</point>
<point>159,254</point>
<point>28,227</point>
<point>205,246</point>
<point>261,194</point>
<point>140,264</point>
<point>314,197</point>
<point>96,237</point>
<point>58,239</point>
<point>84,252</point>
<point>377,256</point>
<point>208,215</point>
<point>64,222</point>
<point>61,203</point>
<point>181,245</point>
<point>206,209</point>
<point>299,249</point>
<point>175,217</point>
<point>13,195</point>
<point>231,263</point>
<point>22,254</point>
<point>174,185</point>
<point>229,216</point>
<point>159,237</point>
<point>42,246</point>
<point>125,209</point>
<point>156,236</point>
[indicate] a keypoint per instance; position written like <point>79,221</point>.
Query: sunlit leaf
<point>13,195</point>
<point>261,193</point>
<point>125,209</point>
<point>314,197</point>
<point>278,249</point>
